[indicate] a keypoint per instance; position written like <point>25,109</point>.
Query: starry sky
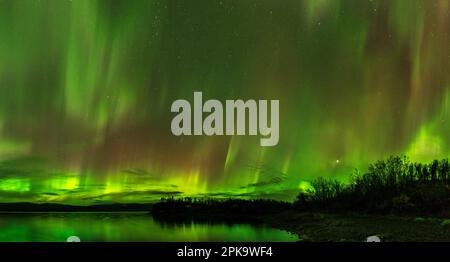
<point>86,88</point>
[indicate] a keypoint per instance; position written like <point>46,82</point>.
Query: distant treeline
<point>227,210</point>
<point>393,185</point>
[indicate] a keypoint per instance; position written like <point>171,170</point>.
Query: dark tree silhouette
<point>392,185</point>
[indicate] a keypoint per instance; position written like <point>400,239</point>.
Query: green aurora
<point>86,88</point>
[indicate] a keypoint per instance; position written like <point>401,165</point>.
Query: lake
<point>125,227</point>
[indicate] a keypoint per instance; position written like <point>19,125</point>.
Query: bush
<point>402,203</point>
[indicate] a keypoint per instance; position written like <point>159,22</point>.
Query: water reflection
<point>56,227</point>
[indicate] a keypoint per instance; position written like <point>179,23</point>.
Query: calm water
<point>125,227</point>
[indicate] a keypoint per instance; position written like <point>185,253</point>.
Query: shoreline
<point>352,227</point>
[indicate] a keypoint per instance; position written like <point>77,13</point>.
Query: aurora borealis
<point>86,88</point>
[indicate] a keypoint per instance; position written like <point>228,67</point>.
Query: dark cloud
<point>277,194</point>
<point>49,194</point>
<point>118,195</point>
<point>272,181</point>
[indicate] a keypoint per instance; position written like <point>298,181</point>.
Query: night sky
<point>86,89</point>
